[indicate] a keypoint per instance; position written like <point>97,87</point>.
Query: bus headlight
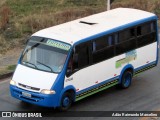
<point>12,82</point>
<point>44,91</point>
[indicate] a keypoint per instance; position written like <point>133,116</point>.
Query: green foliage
<point>7,69</point>
<point>87,2</point>
<point>11,67</point>
<point>25,7</point>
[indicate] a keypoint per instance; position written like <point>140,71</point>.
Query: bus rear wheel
<point>126,79</point>
<point>66,102</point>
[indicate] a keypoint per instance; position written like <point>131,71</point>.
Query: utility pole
<point>108,4</point>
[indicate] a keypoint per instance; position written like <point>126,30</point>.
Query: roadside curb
<point>6,75</point>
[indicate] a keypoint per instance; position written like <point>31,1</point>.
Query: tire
<point>126,79</point>
<point>66,102</point>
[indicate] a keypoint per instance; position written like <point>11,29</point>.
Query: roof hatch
<point>87,23</point>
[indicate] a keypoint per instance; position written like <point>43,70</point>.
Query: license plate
<point>26,94</point>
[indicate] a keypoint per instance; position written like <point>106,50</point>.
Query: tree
<point>111,1</point>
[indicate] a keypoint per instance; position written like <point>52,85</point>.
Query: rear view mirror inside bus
<point>69,72</point>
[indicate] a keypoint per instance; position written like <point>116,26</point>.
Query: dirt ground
<point>8,59</point>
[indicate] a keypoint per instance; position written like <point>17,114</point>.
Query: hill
<point>20,18</point>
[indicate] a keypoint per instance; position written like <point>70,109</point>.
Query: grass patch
<point>11,67</point>
<point>25,7</point>
<point>7,69</point>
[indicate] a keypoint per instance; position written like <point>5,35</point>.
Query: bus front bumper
<point>36,98</point>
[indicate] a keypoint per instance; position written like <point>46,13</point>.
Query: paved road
<point>143,95</point>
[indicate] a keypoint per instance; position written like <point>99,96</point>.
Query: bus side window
<point>146,28</point>
<point>94,46</point>
<point>116,38</point>
<point>139,31</point>
<point>132,32</point>
<point>124,35</point>
<point>148,31</point>
<point>72,64</point>
<point>101,43</point>
<point>82,56</point>
<point>79,58</point>
<point>153,27</point>
<point>110,41</point>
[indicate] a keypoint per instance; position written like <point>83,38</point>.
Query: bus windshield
<point>45,54</point>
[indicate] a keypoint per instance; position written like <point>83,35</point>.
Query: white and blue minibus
<point>70,61</point>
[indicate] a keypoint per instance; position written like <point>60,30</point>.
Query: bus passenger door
<point>78,73</point>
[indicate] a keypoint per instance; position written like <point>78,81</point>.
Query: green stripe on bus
<point>144,69</point>
<point>98,90</point>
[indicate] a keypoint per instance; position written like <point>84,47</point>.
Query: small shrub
<point>4,14</point>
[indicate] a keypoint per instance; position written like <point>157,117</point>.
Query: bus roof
<point>74,31</point>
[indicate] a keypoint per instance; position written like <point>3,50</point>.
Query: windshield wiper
<point>45,65</point>
<point>30,63</point>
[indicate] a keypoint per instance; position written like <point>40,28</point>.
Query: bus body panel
<point>35,78</point>
<point>37,98</point>
<point>146,55</point>
<point>108,69</point>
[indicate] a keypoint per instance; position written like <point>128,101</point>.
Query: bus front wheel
<point>66,102</point>
<point>126,79</point>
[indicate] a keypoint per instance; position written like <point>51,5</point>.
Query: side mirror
<point>69,72</point>
<point>75,58</point>
<point>27,39</point>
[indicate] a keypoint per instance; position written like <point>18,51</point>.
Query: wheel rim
<point>127,80</point>
<point>66,101</point>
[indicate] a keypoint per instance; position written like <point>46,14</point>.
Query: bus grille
<point>28,87</point>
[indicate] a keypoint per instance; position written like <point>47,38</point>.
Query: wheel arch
<point>71,89</point>
<point>128,67</point>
